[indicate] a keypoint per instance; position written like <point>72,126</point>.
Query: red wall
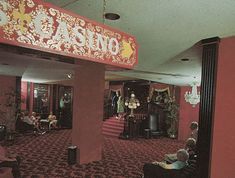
<point>23,95</point>
<point>223,148</point>
<point>187,114</point>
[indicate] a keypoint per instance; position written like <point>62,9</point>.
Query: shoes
<point>41,133</point>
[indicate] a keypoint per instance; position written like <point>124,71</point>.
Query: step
<point>113,127</point>
<point>114,120</point>
<point>112,130</point>
<point>111,134</point>
<point>114,124</point>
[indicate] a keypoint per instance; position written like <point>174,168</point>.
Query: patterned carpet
<point>45,156</point>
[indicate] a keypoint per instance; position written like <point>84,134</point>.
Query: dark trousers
<point>155,171</point>
<point>13,165</point>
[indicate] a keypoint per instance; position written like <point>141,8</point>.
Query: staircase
<point>112,127</point>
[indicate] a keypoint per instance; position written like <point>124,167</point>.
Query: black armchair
<point>155,171</point>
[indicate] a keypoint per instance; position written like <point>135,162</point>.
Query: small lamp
<point>132,103</point>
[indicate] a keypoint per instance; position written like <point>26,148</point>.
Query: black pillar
<point>207,104</point>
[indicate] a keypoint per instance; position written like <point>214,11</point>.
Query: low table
<point>44,124</point>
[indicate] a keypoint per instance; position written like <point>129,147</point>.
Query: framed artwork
<point>160,96</point>
<point>41,98</point>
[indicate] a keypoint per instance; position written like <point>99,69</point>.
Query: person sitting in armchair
<point>52,121</point>
<point>182,157</point>
<point>190,146</point>
<point>27,123</point>
<point>35,119</point>
<point>194,130</point>
<point>163,170</point>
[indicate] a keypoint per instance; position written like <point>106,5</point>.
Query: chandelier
<point>132,103</point>
<point>194,96</point>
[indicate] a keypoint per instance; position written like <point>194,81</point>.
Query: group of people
<point>118,105</point>
<point>32,122</point>
<point>179,159</point>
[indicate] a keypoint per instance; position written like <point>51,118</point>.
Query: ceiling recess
<point>111,16</point>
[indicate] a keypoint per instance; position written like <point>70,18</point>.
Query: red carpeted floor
<point>45,156</point>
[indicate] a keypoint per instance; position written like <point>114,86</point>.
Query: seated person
<point>30,122</point>
<point>35,120</point>
<point>164,170</point>
<point>194,130</point>
<point>190,146</point>
<point>27,123</point>
<point>182,160</point>
<point>8,162</point>
<point>52,121</point>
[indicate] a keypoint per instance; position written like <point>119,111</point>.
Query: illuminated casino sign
<point>38,25</point>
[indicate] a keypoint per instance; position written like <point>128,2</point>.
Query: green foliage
<point>172,109</point>
<point>9,108</point>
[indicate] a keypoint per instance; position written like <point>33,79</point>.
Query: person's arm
<point>162,164</point>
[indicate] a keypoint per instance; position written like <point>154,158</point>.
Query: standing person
<point>114,103</point>
<point>62,102</point>
<point>62,109</point>
<point>44,104</point>
<point>120,107</point>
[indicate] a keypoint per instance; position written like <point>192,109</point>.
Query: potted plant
<point>9,111</point>
<point>172,109</point>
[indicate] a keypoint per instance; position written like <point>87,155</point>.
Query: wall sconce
<point>194,96</point>
<point>132,103</point>
<point>69,76</point>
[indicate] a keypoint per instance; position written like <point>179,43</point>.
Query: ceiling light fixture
<point>70,76</point>
<point>184,59</point>
<point>194,96</point>
<point>109,15</point>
